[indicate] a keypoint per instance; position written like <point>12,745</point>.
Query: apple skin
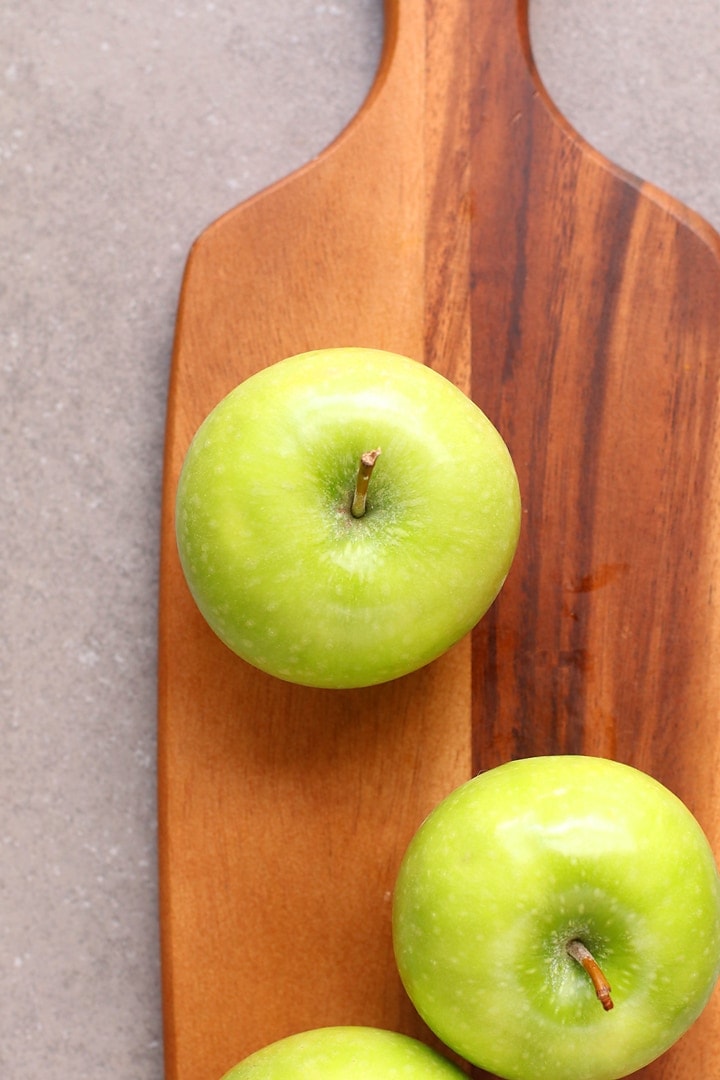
<point>520,860</point>
<point>277,564</point>
<point>345,1053</point>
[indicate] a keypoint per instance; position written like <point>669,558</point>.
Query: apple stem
<point>579,952</point>
<point>367,464</point>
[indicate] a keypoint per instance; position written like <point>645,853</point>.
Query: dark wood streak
<point>614,226</point>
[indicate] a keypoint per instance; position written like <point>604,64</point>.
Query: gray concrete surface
<point>124,130</point>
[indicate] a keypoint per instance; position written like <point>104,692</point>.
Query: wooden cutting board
<point>458,220</point>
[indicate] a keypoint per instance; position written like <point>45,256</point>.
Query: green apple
<point>344,516</point>
<point>537,888</point>
<point>345,1053</point>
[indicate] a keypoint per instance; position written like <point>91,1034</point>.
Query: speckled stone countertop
<point>125,129</point>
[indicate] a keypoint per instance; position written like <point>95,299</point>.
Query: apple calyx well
<point>367,464</point>
<point>582,954</point>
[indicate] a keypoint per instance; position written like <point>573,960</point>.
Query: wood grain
<point>461,221</point>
